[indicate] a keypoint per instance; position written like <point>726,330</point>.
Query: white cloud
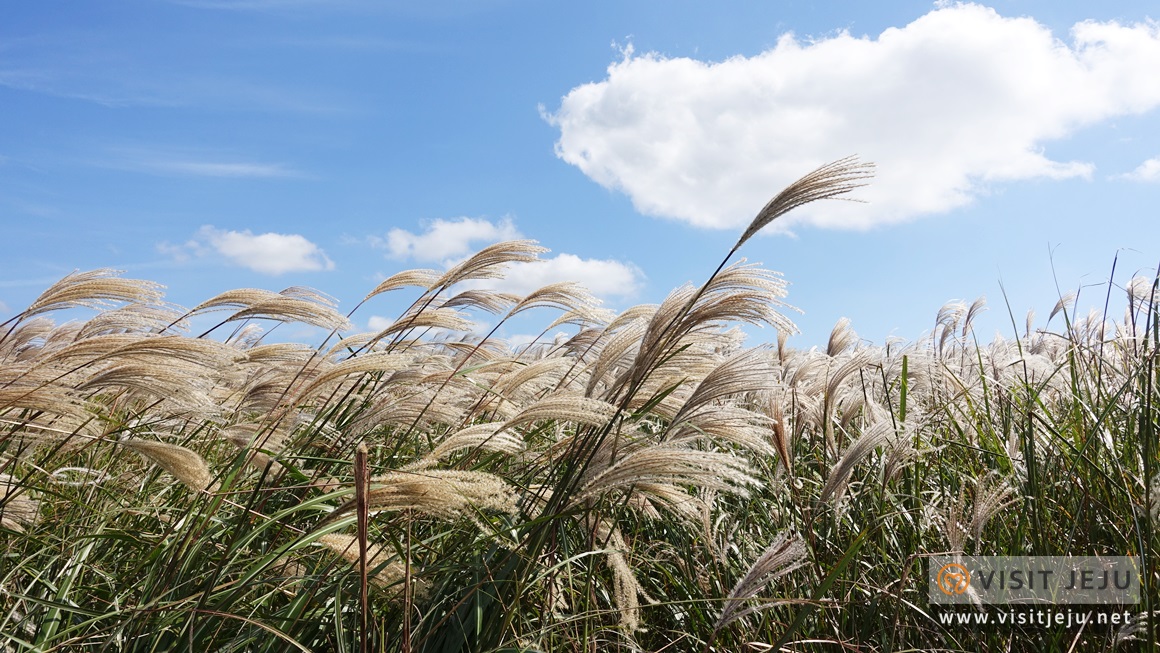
<point>959,99</point>
<point>446,240</point>
<point>268,253</point>
<point>378,322</point>
<point>602,277</point>
<point>1148,171</point>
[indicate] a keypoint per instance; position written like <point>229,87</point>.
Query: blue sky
<point>209,145</point>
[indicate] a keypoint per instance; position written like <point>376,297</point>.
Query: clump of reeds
<point>636,484</point>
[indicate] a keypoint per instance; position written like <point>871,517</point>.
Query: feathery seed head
<point>830,181</point>
<point>380,568</point>
<point>437,492</point>
<point>97,289</point>
<point>490,262</point>
<point>294,309</point>
<point>786,553</point>
<point>425,279</point>
<point>17,508</point>
<point>566,408</point>
<point>184,464</point>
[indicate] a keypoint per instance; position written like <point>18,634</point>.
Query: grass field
<point>647,483</point>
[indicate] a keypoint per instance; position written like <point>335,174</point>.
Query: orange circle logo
<point>953,579</point>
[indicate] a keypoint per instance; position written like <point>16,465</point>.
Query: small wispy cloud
<point>66,86</point>
<point>1148,171</point>
<point>235,169</point>
<point>268,253</point>
<point>378,322</point>
<point>87,69</point>
<point>350,43</point>
<point>265,5</point>
<point>190,165</point>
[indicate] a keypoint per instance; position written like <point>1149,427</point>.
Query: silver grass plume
<point>544,371</point>
<point>670,464</point>
<point>830,181</point>
<point>17,508</point>
<point>781,436</point>
<point>284,308</point>
<point>990,499</point>
<point>748,371</point>
<point>617,352</point>
<point>626,589</point>
<point>1140,293</point>
<point>309,294</point>
<point>184,464</point>
<point>238,298</point>
<point>135,318</point>
<point>48,421</point>
<point>739,293</point>
<point>568,407</point>
<point>904,452</point>
<point>283,352</point>
<point>583,316</point>
<point>565,295</point>
<point>742,293</point>
<point>97,289</point>
<point>490,301</point>
<point>167,383</point>
<point>950,314</point>
<point>842,338</point>
<point>382,570</point>
<point>482,437</point>
<point>729,423</point>
<point>422,278</point>
<point>977,307</point>
<point>26,339</point>
<point>436,318</point>
<point>468,348</point>
<point>632,314</point>
<point>381,361</point>
<point>876,435</point>
<point>955,526</point>
<point>1065,303</point>
<point>490,262</point>
<point>437,492</point>
<point>168,350</point>
<point>782,349</point>
<point>259,438</point>
<point>676,500</point>
<point>786,553</point>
